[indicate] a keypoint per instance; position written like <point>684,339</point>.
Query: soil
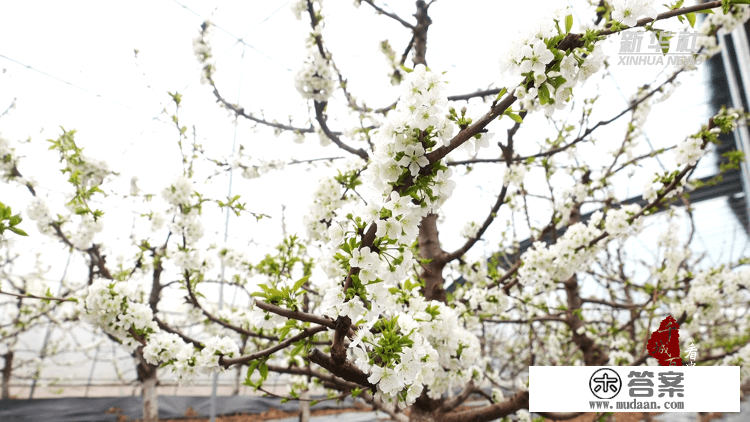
<point>190,416</point>
<point>632,417</point>
<point>617,417</point>
<point>270,415</point>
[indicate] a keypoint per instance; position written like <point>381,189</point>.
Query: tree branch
<point>670,14</point>
<point>341,385</point>
<point>240,111</point>
<point>345,370</point>
<point>390,15</point>
<point>30,296</point>
<point>490,218</point>
<point>322,121</point>
<point>213,318</point>
<point>453,403</point>
<point>610,304</point>
<point>555,416</point>
<point>477,94</point>
<point>227,362</point>
<point>392,411</point>
<point>496,411</point>
<point>526,321</point>
<point>299,316</point>
<point>475,128</point>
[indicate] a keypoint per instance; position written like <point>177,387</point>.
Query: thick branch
<point>322,121</point>
<point>420,33</point>
<point>496,411</point>
<point>171,330</point>
<point>453,403</point>
<point>556,416</point>
<point>227,362</point>
<point>340,384</point>
<point>475,128</point>
<point>429,248</point>
<point>345,370</point>
<point>299,316</point>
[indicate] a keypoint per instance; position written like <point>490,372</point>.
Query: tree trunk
<point>304,407</point>
<point>7,369</point>
<point>426,409</point>
<point>150,398</point>
<point>420,33</point>
<point>237,381</point>
<point>429,248</point>
<point>147,377</point>
<point>418,414</point>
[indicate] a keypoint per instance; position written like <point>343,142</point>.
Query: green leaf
<point>543,93</point>
<point>705,12</point>
<point>300,282</point>
<point>406,69</point>
<point>263,371</point>
<point>17,231</point>
<point>661,38</point>
<point>502,92</point>
<point>568,23</point>
<point>314,402</point>
<point>297,349</point>
<point>251,368</point>
<point>691,18</point>
<point>515,117</point>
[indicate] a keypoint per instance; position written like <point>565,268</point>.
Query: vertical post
<point>48,334</point>
<point>742,52</point>
<point>91,373</point>
<point>215,384</point>
<point>7,370</point>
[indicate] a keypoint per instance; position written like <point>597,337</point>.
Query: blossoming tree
<point>359,303</point>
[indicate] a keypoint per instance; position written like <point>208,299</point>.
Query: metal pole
<point>215,384</point>
<point>91,374</point>
<point>48,334</point>
<point>742,51</point>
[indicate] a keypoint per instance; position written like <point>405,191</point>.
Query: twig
<point>30,296</point>
<point>390,15</point>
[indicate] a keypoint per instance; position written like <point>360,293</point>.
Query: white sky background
<point>91,44</point>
